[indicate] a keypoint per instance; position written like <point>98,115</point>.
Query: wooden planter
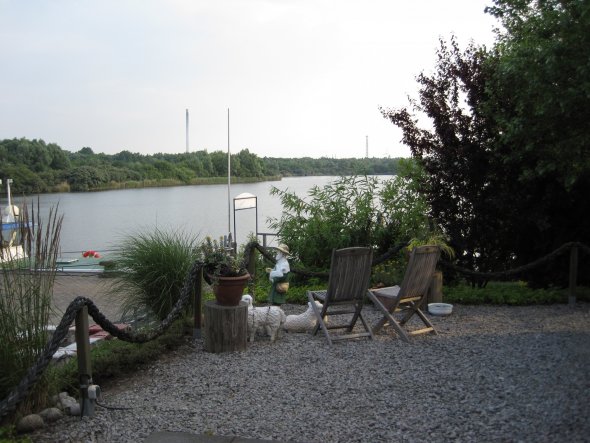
<point>228,290</point>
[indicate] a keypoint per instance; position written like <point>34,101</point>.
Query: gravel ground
<point>492,374</point>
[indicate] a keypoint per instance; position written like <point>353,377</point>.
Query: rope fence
<point>80,305</point>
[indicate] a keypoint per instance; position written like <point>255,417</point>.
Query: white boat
<point>11,242</point>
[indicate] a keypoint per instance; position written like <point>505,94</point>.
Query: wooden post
<point>226,327</point>
<point>435,290</point>
<point>197,303</point>
<point>84,364</point>
<point>573,275</point>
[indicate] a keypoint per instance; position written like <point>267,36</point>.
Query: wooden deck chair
<point>411,294</point>
<point>348,283</point>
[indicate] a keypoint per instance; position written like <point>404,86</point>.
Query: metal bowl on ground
<point>440,308</point>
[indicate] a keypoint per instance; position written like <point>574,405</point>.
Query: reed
<point>26,289</point>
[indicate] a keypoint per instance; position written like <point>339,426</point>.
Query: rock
<point>69,404</point>
<point>73,409</point>
<point>30,423</point>
<point>50,415</point>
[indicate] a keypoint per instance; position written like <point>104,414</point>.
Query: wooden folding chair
<point>411,294</point>
<point>348,283</point>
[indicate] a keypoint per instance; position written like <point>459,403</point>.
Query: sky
<point>299,77</point>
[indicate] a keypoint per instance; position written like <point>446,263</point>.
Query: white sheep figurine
<point>303,322</point>
<point>265,318</point>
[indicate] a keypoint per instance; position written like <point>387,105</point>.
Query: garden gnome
<point>279,276</point>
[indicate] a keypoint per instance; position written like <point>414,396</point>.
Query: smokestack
<point>187,131</point>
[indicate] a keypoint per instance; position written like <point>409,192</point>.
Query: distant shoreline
<point>164,183</point>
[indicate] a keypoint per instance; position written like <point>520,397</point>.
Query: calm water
<point>98,220</point>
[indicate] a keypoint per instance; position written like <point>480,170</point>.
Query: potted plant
<point>224,270</point>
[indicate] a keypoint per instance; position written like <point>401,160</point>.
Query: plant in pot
<point>224,270</point>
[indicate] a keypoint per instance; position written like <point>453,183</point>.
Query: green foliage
<point>218,260</point>
<point>297,294</point>
<point>154,266</point>
<point>8,434</point>
<point>26,288</point>
<point>508,293</point>
<point>351,211</point>
<point>506,166</point>
<point>389,273</point>
<point>114,358</point>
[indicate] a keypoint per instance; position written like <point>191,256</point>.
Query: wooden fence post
<point>197,304</point>
<point>84,364</point>
<point>573,275</point>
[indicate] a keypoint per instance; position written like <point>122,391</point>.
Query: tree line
<point>37,167</point>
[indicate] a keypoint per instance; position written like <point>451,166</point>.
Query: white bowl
<point>440,308</point>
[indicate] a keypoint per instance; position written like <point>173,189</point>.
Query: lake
<point>99,220</point>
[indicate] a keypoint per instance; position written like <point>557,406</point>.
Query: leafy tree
<point>462,186</point>
<point>540,101</point>
<point>501,140</point>
<point>85,178</point>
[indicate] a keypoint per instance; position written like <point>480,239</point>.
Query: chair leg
<point>387,317</point>
<point>355,316</point>
<point>366,325</point>
<point>319,316</point>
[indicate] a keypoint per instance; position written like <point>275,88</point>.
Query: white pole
<point>187,131</point>
<point>228,178</point>
<point>8,182</point>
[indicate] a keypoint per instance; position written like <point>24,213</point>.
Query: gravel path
<point>492,374</point>
<point>69,286</point>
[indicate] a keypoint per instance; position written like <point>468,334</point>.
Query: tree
<point>462,188</point>
<point>503,135</point>
<point>541,100</point>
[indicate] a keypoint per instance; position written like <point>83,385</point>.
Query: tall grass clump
<point>26,289</point>
<point>153,266</point>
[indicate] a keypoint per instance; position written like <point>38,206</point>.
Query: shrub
<point>153,267</point>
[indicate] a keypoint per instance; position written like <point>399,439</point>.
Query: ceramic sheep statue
<point>303,322</point>
<point>269,319</point>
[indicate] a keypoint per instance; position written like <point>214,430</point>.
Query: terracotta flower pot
<point>228,290</point>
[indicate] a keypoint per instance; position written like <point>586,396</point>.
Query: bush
<point>509,293</point>
<point>153,267</point>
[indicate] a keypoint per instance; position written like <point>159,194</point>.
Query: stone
<point>50,415</point>
<point>30,423</point>
<point>73,409</point>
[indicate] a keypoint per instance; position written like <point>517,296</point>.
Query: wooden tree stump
<point>226,327</point>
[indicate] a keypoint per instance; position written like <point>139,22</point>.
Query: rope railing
<point>391,252</point>
<point>502,275</point>
<point>20,392</point>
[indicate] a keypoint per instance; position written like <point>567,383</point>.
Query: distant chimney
<point>187,131</point>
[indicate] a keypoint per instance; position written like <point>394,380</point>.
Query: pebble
<point>493,373</point>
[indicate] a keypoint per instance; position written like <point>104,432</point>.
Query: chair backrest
<point>418,274</point>
<point>350,274</point>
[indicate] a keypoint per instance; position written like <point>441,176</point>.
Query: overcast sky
<point>300,77</point>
